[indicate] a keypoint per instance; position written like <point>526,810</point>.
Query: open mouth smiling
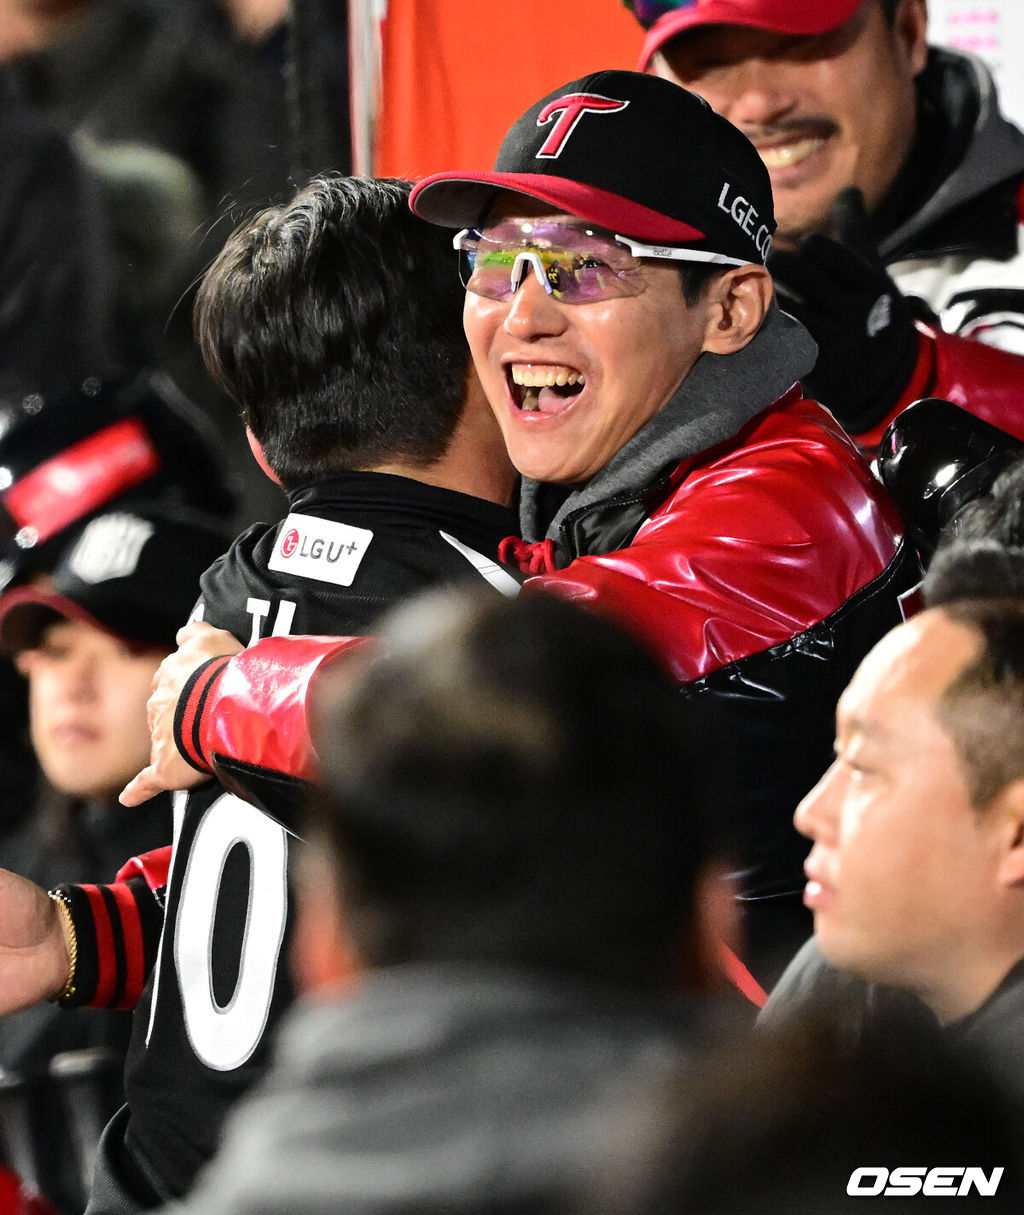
<point>544,389</point>
<point>785,155</point>
<point>786,145</point>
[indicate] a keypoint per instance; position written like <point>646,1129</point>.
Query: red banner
<point>457,74</point>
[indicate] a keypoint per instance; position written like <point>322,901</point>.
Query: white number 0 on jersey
<point>224,1036</point>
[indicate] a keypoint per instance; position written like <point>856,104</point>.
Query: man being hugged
<point>621,320</point>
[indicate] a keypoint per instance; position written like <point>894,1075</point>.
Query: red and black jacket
<point>761,570</point>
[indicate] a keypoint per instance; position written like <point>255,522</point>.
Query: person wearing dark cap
<point>897,185</point>
<point>66,455</point>
<point>621,320</point>
<point>92,633</point>
<point>87,639</point>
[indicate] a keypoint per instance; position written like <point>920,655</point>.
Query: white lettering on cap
<point>745,216</point>
<point>110,547</point>
<point>307,547</point>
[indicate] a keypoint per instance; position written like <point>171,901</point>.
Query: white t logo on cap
<point>109,547</point>
<point>571,109</point>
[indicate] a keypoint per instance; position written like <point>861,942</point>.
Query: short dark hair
<point>980,552</point>
<point>973,569</point>
<point>510,782</point>
<point>982,710</point>
<point>335,324</point>
<point>695,278</point>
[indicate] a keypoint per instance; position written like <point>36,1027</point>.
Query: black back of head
<point>980,552</point>
<point>505,786</point>
<point>335,324</point>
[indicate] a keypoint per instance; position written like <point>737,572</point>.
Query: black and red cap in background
<point>65,456</point>
<point>132,571</point>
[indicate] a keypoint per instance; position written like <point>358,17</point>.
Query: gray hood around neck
<point>995,151</point>
<point>717,399</point>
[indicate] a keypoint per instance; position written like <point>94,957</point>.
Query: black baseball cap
<point>132,571</point>
<point>67,455</point>
<point>632,153</point>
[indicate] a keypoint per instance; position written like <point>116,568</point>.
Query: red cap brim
<point>460,200</point>
<point>800,17</point>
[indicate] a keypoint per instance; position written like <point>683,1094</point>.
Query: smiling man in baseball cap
<point>896,183</point>
<point>824,88</point>
<point>621,321</point>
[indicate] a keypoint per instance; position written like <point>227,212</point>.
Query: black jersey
<point>349,548</point>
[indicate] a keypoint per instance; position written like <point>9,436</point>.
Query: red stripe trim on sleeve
<point>134,949</point>
<point>106,957</point>
<point>190,706</point>
<point>153,867</point>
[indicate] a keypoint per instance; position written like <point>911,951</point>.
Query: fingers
<point>164,775</point>
<point>205,639</point>
<point>167,770</point>
<point>139,789</point>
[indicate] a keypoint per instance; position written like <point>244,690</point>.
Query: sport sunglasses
<point>575,265</point>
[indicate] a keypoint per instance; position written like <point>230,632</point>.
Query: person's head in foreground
<point>502,788</point>
<point>825,89</point>
<point>786,1125</point>
<point>89,638</point>
<point>621,235</point>
<point>916,877</point>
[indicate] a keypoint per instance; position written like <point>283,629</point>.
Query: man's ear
<point>24,661</point>
<point>1009,805</point>
<point>737,302</point>
<point>911,28</point>
<point>256,447</point>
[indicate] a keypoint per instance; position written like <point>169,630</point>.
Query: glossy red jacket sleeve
<point>252,706</point>
<point>986,381</point>
<point>754,547</point>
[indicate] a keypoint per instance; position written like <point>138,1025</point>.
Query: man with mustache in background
<point>896,182</point>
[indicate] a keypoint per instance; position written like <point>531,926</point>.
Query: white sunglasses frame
<point>667,252</point>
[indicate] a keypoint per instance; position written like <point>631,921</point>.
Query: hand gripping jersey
<point>349,548</point>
